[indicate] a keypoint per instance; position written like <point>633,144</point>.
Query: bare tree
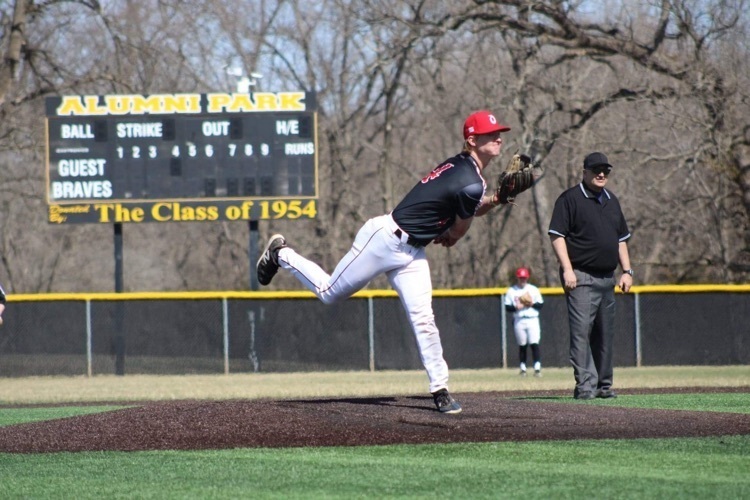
<point>661,87</point>
<point>648,55</point>
<point>34,66</point>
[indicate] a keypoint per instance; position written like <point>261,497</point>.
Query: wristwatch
<point>628,271</point>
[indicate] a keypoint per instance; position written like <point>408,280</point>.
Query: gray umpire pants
<point>591,318</point>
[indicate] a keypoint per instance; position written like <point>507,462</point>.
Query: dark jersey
<point>592,226</point>
<point>453,189</point>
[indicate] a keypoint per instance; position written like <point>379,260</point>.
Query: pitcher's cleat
<point>445,403</point>
<point>268,264</point>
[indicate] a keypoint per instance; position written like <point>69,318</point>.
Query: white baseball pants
<point>376,250</point>
<point>527,330</point>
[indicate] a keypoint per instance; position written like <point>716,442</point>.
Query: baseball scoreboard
<point>181,157</point>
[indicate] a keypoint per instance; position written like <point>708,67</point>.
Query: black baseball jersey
<point>593,227</point>
<point>453,189</point>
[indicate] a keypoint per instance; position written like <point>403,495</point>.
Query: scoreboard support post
<point>253,252</point>
<point>119,346</point>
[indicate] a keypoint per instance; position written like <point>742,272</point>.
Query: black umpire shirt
<point>593,226</point>
<point>453,189</point>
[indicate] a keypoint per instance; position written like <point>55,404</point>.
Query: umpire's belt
<point>410,240</point>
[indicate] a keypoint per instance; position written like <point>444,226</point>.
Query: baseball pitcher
<point>440,208</point>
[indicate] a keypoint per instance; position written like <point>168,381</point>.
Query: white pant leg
<point>527,330</point>
<point>414,286</point>
<point>535,331</point>
<point>519,328</point>
<point>374,250</point>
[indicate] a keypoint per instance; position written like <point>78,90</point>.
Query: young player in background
<point>525,301</point>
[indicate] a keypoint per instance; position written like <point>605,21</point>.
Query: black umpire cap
<point>596,160</point>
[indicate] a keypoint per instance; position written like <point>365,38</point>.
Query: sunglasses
<point>600,170</point>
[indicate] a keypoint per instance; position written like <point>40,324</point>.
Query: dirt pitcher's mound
<point>187,425</point>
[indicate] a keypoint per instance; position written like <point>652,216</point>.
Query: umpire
<point>589,236</point>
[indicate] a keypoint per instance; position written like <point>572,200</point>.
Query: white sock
<point>537,366</point>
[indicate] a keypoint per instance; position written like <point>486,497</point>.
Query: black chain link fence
<point>196,335</point>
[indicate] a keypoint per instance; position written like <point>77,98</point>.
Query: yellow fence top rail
<point>220,295</point>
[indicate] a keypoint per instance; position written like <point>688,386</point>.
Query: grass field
<point>654,468</point>
<point>104,388</point>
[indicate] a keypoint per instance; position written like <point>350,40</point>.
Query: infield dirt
<point>487,416</point>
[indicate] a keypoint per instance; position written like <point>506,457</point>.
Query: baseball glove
<point>515,179</point>
<point>526,299</point>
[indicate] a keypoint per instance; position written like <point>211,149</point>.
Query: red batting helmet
<point>522,272</point>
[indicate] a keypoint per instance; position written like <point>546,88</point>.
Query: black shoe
<point>537,373</point>
<point>445,403</point>
<point>606,393</point>
<point>584,395</point>
<point>522,373</point>
<point>268,264</point>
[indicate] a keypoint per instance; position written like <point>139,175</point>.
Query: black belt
<point>410,240</point>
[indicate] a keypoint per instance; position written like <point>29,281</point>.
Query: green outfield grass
<point>659,468</point>
<point>644,468</point>
<point>11,416</point>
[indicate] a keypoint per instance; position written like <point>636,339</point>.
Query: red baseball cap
<point>522,272</point>
<point>482,122</point>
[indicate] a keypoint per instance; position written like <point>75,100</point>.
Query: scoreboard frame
<point>181,157</point>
